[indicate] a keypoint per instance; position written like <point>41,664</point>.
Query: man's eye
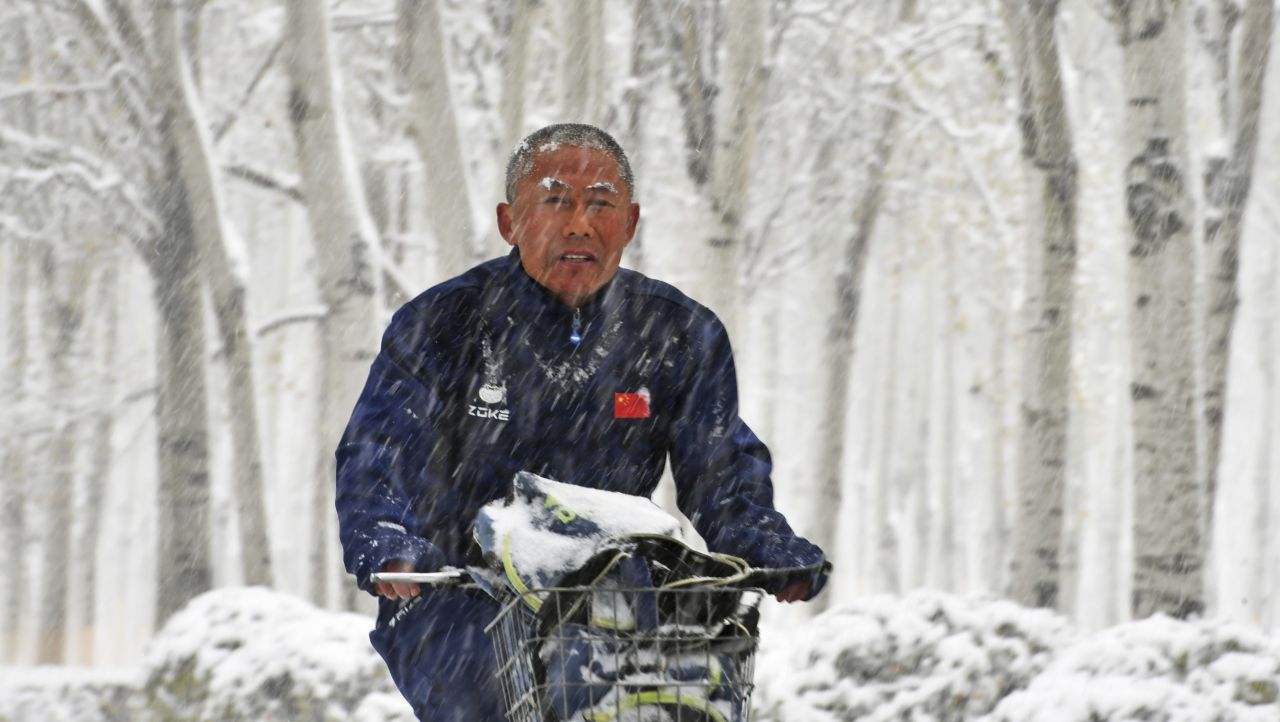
<point>601,203</point>
<point>554,200</point>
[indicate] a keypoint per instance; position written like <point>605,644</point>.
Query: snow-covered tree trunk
<point>64,277</point>
<point>635,101</point>
<point>515,61</point>
<point>582,65</point>
<point>184,566</point>
<point>99,442</point>
<point>14,464</point>
<point>1168,499</point>
<point>15,389</point>
<point>347,253</point>
<point>843,323</point>
<point>1227,188</point>
<point>222,260</point>
<point>421,56</point>
<point>737,115</point>
<point>1050,163</point>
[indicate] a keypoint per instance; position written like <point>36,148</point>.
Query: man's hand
<point>795,592</point>
<point>398,590</point>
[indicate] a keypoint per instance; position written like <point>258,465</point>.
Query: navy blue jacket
<point>478,379</point>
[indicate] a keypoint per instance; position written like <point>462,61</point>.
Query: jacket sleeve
<point>722,470</point>
<point>381,459</point>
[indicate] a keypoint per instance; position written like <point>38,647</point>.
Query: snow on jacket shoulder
<point>478,379</point>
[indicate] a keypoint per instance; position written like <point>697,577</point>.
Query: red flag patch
<point>631,405</point>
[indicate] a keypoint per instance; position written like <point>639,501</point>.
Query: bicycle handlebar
<point>436,579</point>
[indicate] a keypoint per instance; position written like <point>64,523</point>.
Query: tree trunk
<point>738,117</point>
<point>184,565</point>
<point>64,275</point>
<point>635,100</point>
<point>420,48</point>
<point>515,60</point>
<point>1168,500</point>
<point>15,451</point>
<point>843,325</point>
<point>1050,160</point>
<point>1227,188</point>
<point>14,463</point>
<point>222,260</point>
<point>347,253</point>
<point>99,441</point>
<point>582,64</point>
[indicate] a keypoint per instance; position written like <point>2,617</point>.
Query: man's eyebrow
<point>549,183</point>
<point>603,186</point>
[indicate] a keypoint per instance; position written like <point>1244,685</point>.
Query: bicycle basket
<point>595,654</point>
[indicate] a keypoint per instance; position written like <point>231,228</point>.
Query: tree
<point>1227,185</point>
<point>843,323</point>
<point>346,251</point>
<point>722,109</point>
<point>421,58</point>
<point>1168,499</point>
<point>224,268</point>
<point>1050,161</point>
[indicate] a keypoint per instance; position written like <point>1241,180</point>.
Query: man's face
<point>571,217</point>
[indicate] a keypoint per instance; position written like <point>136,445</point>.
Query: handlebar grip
<point>435,579</point>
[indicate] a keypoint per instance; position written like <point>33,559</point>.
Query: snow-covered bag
<point>623,639</point>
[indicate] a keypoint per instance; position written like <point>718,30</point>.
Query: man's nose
<point>577,224</point>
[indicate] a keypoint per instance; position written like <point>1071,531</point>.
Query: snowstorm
<point>639,360</point>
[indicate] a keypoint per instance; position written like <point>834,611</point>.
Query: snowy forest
<point>1001,279</point>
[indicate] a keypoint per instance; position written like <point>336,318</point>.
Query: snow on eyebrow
<point>548,183</point>
<point>603,186</point>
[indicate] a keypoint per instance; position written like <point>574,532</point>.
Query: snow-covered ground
<point>252,654</point>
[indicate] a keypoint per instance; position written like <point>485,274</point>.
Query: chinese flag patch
<point>631,405</point>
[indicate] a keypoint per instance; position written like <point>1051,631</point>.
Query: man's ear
<point>505,223</point>
<point>633,221</point>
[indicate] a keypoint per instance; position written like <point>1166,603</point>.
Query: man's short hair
<point>576,135</point>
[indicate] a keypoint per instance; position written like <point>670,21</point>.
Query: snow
<point>533,549</point>
<point>924,657</point>
<point>935,657</point>
<point>238,653</point>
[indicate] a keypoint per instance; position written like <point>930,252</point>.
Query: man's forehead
<point>564,159</point>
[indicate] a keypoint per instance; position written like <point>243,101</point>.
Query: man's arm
<point>722,469</point>
<point>382,462</point>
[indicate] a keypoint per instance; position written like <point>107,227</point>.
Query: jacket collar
<point>529,298</point>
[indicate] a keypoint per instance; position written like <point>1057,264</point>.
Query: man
<point>550,360</point>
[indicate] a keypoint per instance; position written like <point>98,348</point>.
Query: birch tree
<point>843,323</point>
<point>421,58</point>
<point>14,454</point>
<point>222,261</point>
<point>347,252</point>
<point>721,114</point>
<point>1227,184</point>
<point>13,504</point>
<point>1050,163</point>
<point>582,65</point>
<point>1168,500</point>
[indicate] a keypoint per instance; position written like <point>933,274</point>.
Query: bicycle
<point>590,653</point>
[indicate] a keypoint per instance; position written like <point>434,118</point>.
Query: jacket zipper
<point>575,335</point>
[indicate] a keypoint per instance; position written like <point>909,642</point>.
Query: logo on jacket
<point>493,392</point>
<point>490,395</point>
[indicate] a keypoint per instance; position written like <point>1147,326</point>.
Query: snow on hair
<point>551,137</point>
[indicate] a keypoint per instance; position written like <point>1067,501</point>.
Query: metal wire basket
<point>613,654</point>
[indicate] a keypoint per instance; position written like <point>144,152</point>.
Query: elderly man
<point>550,360</point>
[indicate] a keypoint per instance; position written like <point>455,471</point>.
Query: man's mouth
<point>577,258</point>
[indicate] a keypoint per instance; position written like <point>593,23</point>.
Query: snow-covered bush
<point>62,694</point>
<point>1156,670</point>
<point>253,654</point>
<point>924,657</point>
